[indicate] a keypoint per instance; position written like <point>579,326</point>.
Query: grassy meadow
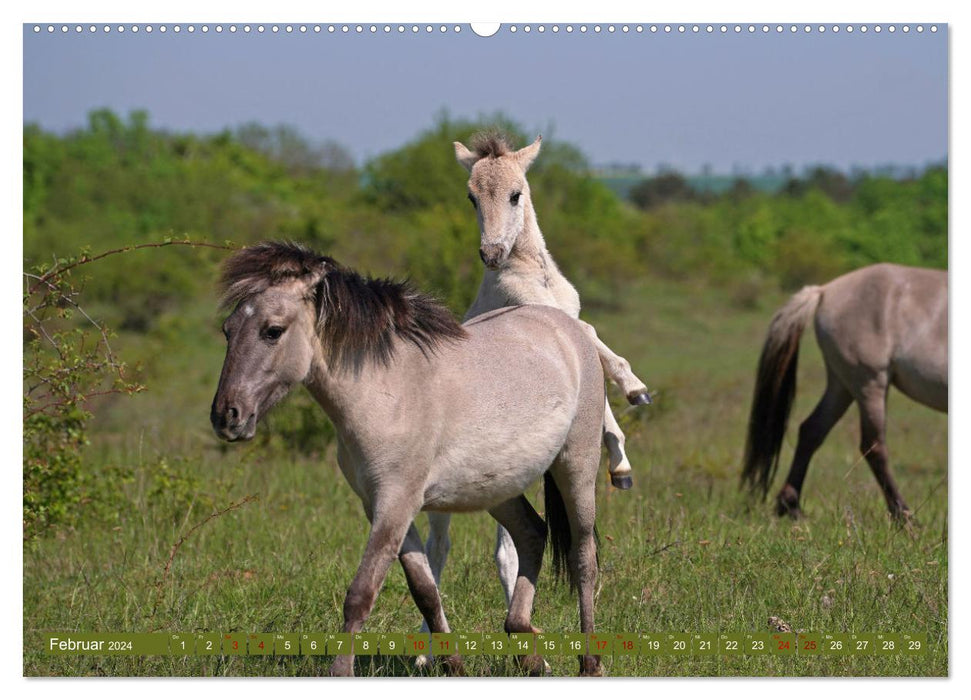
<point>137,519</point>
<point>682,551</point>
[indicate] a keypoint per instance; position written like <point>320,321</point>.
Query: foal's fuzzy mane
<point>491,144</point>
<point>358,318</point>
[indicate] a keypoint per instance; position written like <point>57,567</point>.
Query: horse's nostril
<point>482,254</point>
<point>233,413</point>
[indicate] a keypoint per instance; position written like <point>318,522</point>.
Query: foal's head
<point>498,191</point>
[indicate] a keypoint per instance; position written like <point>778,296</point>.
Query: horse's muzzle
<point>492,254</point>
<point>228,426</point>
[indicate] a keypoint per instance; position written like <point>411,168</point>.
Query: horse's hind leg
<point>873,445</point>
<point>618,370</point>
<point>836,399</point>
<point>528,533</point>
<point>615,442</point>
<point>577,487</point>
<point>424,590</point>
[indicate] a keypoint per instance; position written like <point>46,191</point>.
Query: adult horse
<point>877,327</point>
<point>430,415</point>
<point>520,270</point>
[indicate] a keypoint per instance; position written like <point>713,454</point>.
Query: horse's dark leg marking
<point>421,583</point>
<point>382,549</point>
<point>873,445</point>
<point>528,532</point>
<point>831,407</point>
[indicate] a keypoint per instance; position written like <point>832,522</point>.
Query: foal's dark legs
<point>528,533</point>
<point>836,399</point>
<point>873,445</point>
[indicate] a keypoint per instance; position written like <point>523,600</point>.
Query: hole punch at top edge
<point>485,29</point>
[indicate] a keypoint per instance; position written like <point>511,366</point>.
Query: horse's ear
<point>527,155</point>
<point>464,156</point>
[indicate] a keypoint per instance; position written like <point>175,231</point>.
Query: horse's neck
<point>530,245</point>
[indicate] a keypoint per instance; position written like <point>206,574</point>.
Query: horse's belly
<point>485,475</point>
<point>924,382</point>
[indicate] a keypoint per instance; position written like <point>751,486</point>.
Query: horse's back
<point>888,320</point>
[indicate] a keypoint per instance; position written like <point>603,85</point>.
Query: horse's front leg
<point>388,530</point>
<point>618,370</point>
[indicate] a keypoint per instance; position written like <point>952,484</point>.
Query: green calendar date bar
<point>911,644</point>
<point>549,644</point>
<point>365,643</point>
<point>863,644</point>
<point>313,644</point>
<point>391,644</point>
<point>286,644</point>
<point>469,644</point>
<point>418,644</point>
<point>259,644</point>
<point>107,644</point>
<point>521,643</point>
<point>731,644</point>
<point>339,643</point>
<point>234,644</point>
<point>809,643</point>
<point>496,644</point>
<point>704,644</point>
<point>783,644</point>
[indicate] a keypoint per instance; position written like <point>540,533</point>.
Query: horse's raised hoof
<point>639,398</point>
<point>621,481</point>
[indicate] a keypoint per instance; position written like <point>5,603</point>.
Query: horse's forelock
<point>254,269</point>
<point>491,144</point>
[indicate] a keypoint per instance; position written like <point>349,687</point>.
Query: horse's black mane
<point>358,318</point>
<point>491,144</point>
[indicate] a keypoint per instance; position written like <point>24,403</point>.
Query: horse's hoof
<point>533,665</point>
<point>454,665</point>
<point>640,398</point>
<point>787,503</point>
<point>342,666</point>
<point>621,481</point>
<point>590,666</point>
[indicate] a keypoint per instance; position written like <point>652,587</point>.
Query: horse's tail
<point>558,531</point>
<point>775,389</point>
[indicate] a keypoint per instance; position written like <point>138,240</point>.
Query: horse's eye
<point>273,333</point>
<point>472,199</point>
<point>514,198</point>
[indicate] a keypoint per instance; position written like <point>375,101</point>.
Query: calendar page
<point>423,348</point>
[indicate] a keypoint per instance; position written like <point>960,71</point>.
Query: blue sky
<point>728,100</point>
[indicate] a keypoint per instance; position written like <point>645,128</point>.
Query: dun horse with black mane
<point>877,327</point>
<point>430,415</point>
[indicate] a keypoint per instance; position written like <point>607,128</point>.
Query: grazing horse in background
<point>430,415</point>
<point>877,327</point>
<point>520,270</point>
